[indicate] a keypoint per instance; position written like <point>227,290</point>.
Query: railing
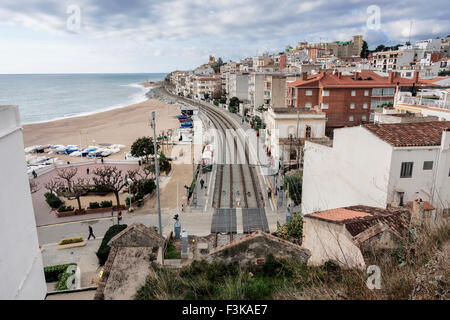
<point>419,101</point>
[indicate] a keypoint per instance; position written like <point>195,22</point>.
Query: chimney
<point>304,76</point>
<point>416,77</point>
<point>356,74</point>
<point>339,74</point>
<point>391,77</point>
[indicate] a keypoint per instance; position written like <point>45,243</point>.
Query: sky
<point>111,36</point>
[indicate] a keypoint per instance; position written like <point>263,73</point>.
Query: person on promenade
<point>202,182</point>
<point>87,171</point>
<point>91,233</point>
<point>34,174</point>
<point>119,217</point>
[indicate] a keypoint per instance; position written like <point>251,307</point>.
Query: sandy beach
<point>118,126</point>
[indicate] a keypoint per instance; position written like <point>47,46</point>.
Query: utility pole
<point>298,141</point>
<point>157,173</point>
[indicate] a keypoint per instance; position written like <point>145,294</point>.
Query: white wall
<point>20,258</point>
<point>354,171</point>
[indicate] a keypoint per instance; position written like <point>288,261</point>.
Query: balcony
<point>419,101</point>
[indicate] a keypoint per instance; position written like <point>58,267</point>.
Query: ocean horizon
<point>49,97</point>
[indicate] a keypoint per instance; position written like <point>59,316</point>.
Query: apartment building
<point>21,260</point>
<point>347,99</point>
<point>206,86</point>
<point>238,85</point>
<point>379,165</point>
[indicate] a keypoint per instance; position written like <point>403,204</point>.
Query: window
<point>352,106</point>
<point>308,132</point>
<point>372,117</point>
<point>309,92</point>
<point>325,93</point>
<point>351,118</point>
<point>364,118</point>
<point>406,170</point>
<point>308,105</point>
<point>428,165</point>
<point>324,105</point>
<point>365,106</point>
<point>353,93</point>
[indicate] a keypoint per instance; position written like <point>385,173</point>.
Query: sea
<point>47,97</point>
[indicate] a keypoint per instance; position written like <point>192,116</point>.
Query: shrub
<point>103,250</point>
<point>294,184</point>
<point>292,230</point>
<point>257,289</point>
<point>52,272</point>
<point>146,186</point>
<point>71,240</point>
<point>64,208</point>
<point>62,279</point>
<point>106,204</point>
<point>53,201</point>
<point>94,205</point>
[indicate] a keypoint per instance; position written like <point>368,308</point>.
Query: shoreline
<point>145,86</point>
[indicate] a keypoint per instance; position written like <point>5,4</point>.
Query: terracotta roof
<point>258,233</point>
<point>149,233</point>
<point>414,134</point>
<point>209,79</point>
<point>330,80</point>
<point>360,218</point>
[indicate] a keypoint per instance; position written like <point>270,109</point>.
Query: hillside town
<point>286,175</point>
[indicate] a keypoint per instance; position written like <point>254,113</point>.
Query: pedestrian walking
<point>102,160</point>
<point>269,193</point>
<point>91,233</point>
<point>87,171</point>
<point>119,217</point>
<point>202,182</point>
<point>34,174</point>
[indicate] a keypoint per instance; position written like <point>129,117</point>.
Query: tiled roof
<point>426,205</point>
<point>414,134</point>
<point>360,218</point>
<point>209,79</point>
<point>330,80</point>
<point>149,233</point>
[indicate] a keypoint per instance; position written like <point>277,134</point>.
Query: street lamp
<point>130,209</point>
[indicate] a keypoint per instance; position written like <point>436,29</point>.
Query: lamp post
<point>157,172</point>
<point>130,209</point>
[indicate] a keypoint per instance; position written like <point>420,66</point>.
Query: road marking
<point>72,222</point>
<point>56,243</point>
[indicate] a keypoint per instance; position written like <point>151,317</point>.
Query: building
<point>238,85</point>
<point>206,86</point>
<point>379,165</point>
<point>21,259</point>
<point>127,267</point>
<point>347,99</point>
<point>423,106</point>
<point>287,129</point>
<point>343,234</point>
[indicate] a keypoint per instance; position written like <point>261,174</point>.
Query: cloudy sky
<point>159,36</point>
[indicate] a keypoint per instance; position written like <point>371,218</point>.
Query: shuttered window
<point>406,170</point>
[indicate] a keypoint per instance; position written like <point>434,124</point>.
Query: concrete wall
<point>20,258</point>
<point>354,171</point>
<point>330,241</point>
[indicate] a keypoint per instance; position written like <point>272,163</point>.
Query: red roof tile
<point>369,79</point>
<point>414,134</point>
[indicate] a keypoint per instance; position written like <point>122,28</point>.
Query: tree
<point>78,188</point>
<point>293,183</point>
<point>143,147</point>
<point>444,73</point>
<point>234,104</point>
<point>110,177</point>
<point>365,50</point>
<point>292,230</point>
<point>67,176</point>
<point>217,93</point>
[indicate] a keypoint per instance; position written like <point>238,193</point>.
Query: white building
<point>405,103</point>
<point>238,85</point>
<point>379,165</point>
<point>20,257</point>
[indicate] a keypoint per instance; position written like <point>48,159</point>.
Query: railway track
<point>233,180</point>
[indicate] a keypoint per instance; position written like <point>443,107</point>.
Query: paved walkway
<point>43,213</point>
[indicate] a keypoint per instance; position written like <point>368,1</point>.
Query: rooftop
<point>363,79</point>
<point>416,134</point>
<point>359,218</point>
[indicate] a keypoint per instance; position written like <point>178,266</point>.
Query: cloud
<point>228,28</point>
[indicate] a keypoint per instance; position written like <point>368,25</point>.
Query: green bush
<point>106,204</point>
<point>53,201</point>
<point>62,280</point>
<point>52,272</point>
<point>257,289</point>
<point>293,183</point>
<point>64,208</point>
<point>94,205</point>
<point>103,250</point>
